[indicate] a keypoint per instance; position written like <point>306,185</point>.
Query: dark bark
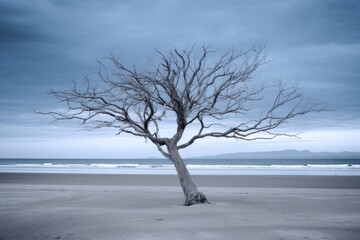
<point>190,190</point>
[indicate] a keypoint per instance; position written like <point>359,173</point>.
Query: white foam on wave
<point>189,166</point>
<point>310,169</point>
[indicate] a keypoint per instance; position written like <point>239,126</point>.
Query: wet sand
<point>84,206</point>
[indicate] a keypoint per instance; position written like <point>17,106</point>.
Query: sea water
<point>343,167</point>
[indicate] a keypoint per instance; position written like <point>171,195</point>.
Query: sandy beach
<point>84,206</point>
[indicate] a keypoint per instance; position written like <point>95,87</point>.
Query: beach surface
<point>85,206</point>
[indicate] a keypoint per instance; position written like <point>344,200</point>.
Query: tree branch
<point>199,92</point>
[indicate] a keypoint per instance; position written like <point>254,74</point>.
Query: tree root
<point>195,198</point>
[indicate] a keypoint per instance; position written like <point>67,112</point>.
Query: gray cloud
<point>47,44</point>
<point>16,24</point>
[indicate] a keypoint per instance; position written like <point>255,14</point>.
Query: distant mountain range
<point>286,154</point>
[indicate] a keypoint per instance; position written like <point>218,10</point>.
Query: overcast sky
<point>49,43</point>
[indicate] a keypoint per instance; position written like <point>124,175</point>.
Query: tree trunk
<point>191,192</point>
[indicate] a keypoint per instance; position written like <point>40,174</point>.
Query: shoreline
<point>235,181</point>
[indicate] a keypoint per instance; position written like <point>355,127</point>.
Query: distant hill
<point>286,154</point>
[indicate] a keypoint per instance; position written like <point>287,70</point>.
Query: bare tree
<point>209,94</point>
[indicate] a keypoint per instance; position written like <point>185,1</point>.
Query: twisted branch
<point>196,92</point>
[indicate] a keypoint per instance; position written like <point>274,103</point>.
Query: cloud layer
<point>48,44</point>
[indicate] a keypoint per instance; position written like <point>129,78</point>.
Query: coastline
<point>300,167</point>
<point>136,169</point>
<point>235,181</point>
<point>94,206</point>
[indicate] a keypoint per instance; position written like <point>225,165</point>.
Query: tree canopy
<point>196,91</point>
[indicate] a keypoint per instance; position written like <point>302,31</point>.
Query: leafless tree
<point>210,94</point>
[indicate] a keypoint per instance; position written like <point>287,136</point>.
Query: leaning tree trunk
<point>191,192</point>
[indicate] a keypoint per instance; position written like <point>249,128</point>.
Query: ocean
<point>343,167</point>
